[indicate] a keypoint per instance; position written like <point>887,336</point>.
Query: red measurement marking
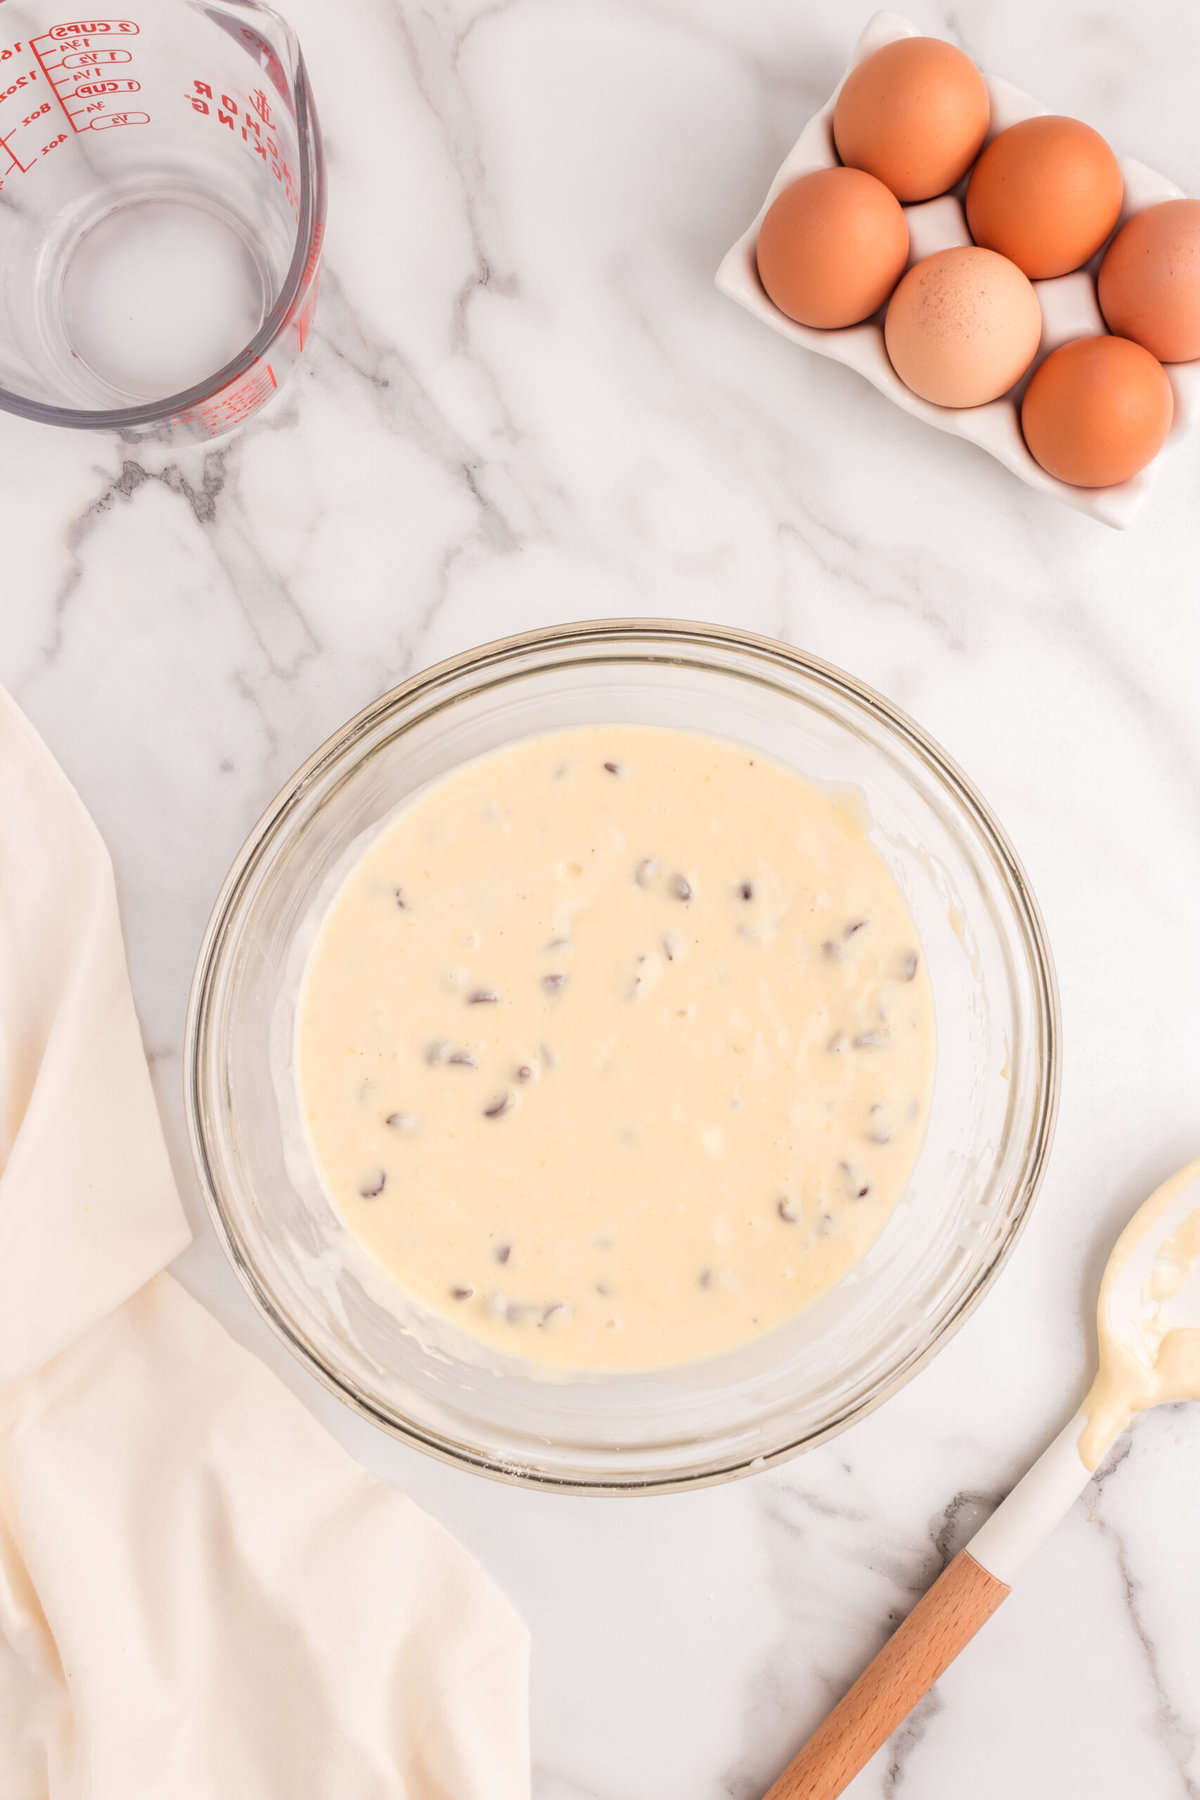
<point>92,59</point>
<point>22,168</point>
<point>109,121</point>
<point>94,28</point>
<point>72,43</point>
<point>20,85</point>
<point>235,402</point>
<point>47,70</point>
<point>306,302</point>
<point>91,90</point>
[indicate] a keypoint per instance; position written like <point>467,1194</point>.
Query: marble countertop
<point>525,402</point>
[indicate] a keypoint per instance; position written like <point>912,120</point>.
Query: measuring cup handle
<point>943,1621</point>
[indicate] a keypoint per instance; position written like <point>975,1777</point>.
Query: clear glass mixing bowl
<point>994,1100</point>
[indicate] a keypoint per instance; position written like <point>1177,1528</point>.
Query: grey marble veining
<point>524,403</point>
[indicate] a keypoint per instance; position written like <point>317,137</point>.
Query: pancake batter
<point>616,1046</point>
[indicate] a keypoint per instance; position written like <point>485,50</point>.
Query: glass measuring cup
<point>162,207</point>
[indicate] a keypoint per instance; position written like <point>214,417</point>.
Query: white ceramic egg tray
<point>1069,305</point>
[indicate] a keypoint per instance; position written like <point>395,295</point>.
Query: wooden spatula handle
<point>963,1597</point>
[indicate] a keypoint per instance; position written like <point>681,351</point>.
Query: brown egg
<point>832,247</point>
<point>1150,280</point>
<point>962,327</point>
<point>1097,411</point>
<point>1045,193</point>
<point>914,114</point>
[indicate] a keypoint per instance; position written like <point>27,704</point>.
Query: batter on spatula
<point>616,1046</point>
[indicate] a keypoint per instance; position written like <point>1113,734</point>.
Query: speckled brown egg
<point>1150,280</point>
<point>1045,193</point>
<point>832,247</point>
<point>1097,411</point>
<point>914,114</point>
<point>962,327</point>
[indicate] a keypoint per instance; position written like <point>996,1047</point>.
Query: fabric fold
<point>88,1208</point>
<point>200,1593</point>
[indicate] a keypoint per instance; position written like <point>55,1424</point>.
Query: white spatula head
<point>1149,1352</point>
<point>1149,1318</point>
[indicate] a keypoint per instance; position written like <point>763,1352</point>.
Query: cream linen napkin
<point>200,1594</point>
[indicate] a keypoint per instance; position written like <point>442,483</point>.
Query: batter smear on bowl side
<point>616,1046</point>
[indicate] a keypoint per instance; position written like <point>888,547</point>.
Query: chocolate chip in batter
<point>871,1040</point>
<point>644,873</point>
<point>854,927</point>
<point>482,997</point>
<point>705,1278</point>
<point>671,945</point>
<point>615,768</point>
<point>786,1211</point>
<point>401,1121</point>
<point>371,1189</point>
<point>602,1288</point>
<point>830,951</point>
<point>746,891</point>
<point>878,1129</point>
<point>401,902</point>
<point>554,984</point>
<point>681,887</point>
<point>524,1071</point>
<point>857,1185</point>
<point>462,1059</point>
<point>558,943</point>
<point>461,1293</point>
<point>499,1106</point>
<point>907,965</point>
<point>559,1310</point>
<point>503,1252</point>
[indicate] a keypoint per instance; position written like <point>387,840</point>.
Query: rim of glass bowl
<point>647,640</point>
